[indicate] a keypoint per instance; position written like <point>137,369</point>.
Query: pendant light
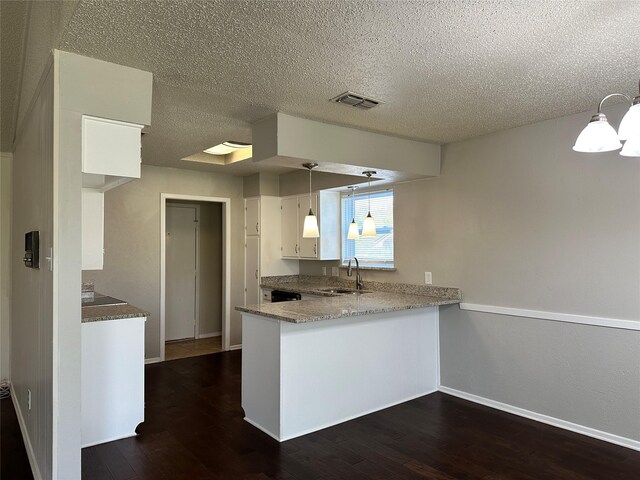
<point>353,226</point>
<point>369,225</point>
<point>599,136</point>
<point>630,124</point>
<point>310,229</point>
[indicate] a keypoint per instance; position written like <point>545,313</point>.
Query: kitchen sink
<point>344,291</point>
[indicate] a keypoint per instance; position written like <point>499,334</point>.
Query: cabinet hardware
<point>256,226</point>
<point>256,274</point>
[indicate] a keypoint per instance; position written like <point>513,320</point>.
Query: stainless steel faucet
<point>359,283</point>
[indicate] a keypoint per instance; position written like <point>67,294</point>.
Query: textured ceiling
<point>13,17</point>
<point>446,70</point>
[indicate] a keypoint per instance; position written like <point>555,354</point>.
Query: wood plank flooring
<point>194,430</point>
<point>192,347</point>
<point>14,463</point>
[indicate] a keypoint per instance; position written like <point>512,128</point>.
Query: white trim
<point>148,361</point>
<point>25,436</point>
<point>226,264</point>
<point>209,335</point>
<point>554,316</point>
<point>345,419</point>
<point>539,417</point>
<point>437,312</point>
<point>235,347</point>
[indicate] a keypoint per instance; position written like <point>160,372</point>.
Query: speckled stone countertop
<point>387,297</point>
<point>100,313</point>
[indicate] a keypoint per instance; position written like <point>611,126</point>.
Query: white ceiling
<point>445,70</point>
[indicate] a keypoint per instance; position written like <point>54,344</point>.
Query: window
<point>371,251</point>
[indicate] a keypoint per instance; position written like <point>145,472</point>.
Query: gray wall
<point>517,219</point>
<point>210,298</point>
<point>32,289</point>
<point>5,265</point>
<point>132,241</point>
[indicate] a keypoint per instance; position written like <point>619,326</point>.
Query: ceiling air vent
<point>351,99</point>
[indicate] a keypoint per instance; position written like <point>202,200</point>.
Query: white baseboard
<point>112,439</point>
<point>152,360</point>
<point>539,417</point>
<point>25,436</point>
<point>337,422</point>
<point>235,347</point>
<point>209,335</point>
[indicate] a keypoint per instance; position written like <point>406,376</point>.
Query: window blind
<point>371,251</point>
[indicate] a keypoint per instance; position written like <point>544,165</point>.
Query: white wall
<point>211,282</point>
<point>517,219</point>
<point>132,241</point>
<point>5,264</point>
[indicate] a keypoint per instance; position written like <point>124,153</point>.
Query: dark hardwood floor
<point>194,430</point>
<point>14,464</point>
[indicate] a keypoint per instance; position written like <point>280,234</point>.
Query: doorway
<point>194,284</point>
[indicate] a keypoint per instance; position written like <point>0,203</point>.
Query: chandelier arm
<point>614,95</point>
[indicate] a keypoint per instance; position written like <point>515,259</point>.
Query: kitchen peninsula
<point>314,363</point>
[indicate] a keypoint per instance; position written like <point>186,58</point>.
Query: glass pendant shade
<point>353,231</point>
<point>631,147</point>
<point>630,125</point>
<point>310,229</point>
<point>369,226</point>
<point>597,136</point>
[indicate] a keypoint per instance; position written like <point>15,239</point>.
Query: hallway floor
<point>194,429</point>
<point>192,347</point>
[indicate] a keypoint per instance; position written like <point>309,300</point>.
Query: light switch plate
<point>335,272</point>
<point>427,278</point>
<point>324,271</point>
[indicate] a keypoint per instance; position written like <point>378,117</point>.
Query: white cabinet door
<point>308,246</point>
<point>92,229</point>
<point>252,216</point>
<point>110,147</point>
<point>252,271</point>
<point>290,227</point>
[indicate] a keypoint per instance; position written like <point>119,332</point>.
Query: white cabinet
<point>112,379</point>
<point>110,152</point>
<point>326,206</point>
<point>252,216</point>
<point>252,270</point>
<point>262,245</point>
<point>92,229</point>
<point>289,224</point>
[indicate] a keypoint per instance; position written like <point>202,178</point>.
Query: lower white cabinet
<point>112,379</point>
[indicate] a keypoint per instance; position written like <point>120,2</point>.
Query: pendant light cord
<point>309,189</point>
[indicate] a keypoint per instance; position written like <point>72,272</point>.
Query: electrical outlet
<point>335,272</point>
<point>324,271</point>
<point>29,399</point>
<point>427,278</point>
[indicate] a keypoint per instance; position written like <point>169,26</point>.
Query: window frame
<point>347,214</point>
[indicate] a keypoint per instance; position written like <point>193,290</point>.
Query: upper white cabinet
<point>92,229</point>
<point>252,216</point>
<point>110,152</point>
<point>326,206</point>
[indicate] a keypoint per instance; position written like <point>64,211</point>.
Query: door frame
<point>196,309</point>
<point>226,262</point>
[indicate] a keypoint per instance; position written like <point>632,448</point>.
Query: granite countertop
<point>100,313</point>
<point>379,297</point>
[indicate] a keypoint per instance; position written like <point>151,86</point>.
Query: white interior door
<point>181,272</point>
